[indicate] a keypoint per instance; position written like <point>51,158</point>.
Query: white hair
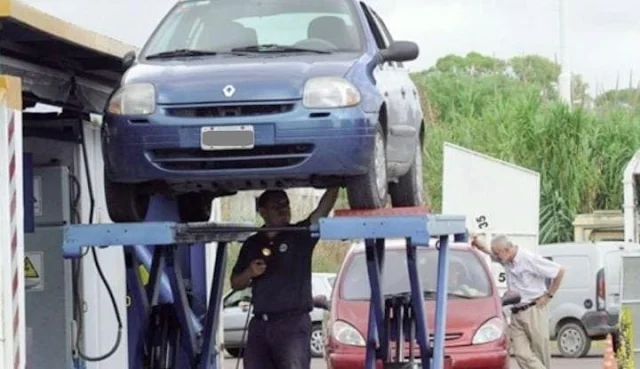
<point>502,240</point>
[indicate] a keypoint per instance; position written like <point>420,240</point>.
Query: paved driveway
<point>590,362</point>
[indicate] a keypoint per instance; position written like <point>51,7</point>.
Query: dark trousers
<point>279,343</point>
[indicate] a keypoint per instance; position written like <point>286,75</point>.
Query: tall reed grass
<point>580,153</point>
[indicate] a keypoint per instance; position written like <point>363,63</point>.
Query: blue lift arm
<point>156,307</point>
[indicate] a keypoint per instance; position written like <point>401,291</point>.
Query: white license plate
<point>227,138</point>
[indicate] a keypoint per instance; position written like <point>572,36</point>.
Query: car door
<point>409,109</point>
<point>388,86</point>
<point>235,311</point>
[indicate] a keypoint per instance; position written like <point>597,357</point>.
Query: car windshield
<point>467,276</point>
<point>207,27</point>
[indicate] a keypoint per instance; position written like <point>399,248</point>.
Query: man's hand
<point>477,242</point>
<point>257,267</point>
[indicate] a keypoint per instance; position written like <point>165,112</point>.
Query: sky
<point>602,37</point>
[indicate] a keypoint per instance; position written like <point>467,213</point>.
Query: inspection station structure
<point>172,320</point>
<point>161,343</point>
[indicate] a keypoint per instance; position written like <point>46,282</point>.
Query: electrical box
<point>48,276</point>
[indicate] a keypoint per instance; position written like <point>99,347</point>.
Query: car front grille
<point>234,110</point>
<point>276,156</point>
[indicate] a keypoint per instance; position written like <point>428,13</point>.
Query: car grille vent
<point>277,156</point>
<point>215,111</point>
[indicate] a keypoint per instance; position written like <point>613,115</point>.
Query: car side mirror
<point>400,51</point>
<point>321,302</point>
<point>128,59</point>
<point>244,306</point>
<point>511,298</point>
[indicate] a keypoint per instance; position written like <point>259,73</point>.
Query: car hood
<point>254,78</point>
<point>464,317</point>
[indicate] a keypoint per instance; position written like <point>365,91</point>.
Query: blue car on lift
<point>229,95</point>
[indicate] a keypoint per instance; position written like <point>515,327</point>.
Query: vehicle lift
<point>169,329</point>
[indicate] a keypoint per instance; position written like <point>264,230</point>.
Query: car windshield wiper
<point>279,48</point>
<point>181,52</point>
<point>430,293</point>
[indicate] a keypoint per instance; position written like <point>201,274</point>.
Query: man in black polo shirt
<point>277,266</point>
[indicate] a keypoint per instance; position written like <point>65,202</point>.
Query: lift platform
<point>168,329</point>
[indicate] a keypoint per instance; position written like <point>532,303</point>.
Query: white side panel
<point>210,254</point>
<point>100,322</point>
<point>629,191</point>
<point>12,312</point>
<point>495,196</point>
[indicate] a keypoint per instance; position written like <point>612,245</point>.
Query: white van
<point>587,305</point>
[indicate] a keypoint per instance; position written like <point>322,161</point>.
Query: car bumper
<point>600,323</point>
<point>294,145</point>
<point>456,358</point>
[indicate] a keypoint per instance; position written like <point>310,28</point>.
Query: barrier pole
<point>12,315</point>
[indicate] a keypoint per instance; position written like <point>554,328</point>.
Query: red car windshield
<point>467,277</point>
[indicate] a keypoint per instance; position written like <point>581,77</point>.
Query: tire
<point>317,341</point>
<point>125,202</point>
<point>195,206</point>
<point>409,191</point>
<point>573,341</point>
<point>369,190</point>
<point>235,352</point>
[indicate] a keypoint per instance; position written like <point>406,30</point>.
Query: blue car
<point>230,95</point>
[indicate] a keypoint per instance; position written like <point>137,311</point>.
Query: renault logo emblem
<point>228,90</point>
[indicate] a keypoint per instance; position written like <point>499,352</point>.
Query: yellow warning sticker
<point>143,273</point>
<point>30,270</point>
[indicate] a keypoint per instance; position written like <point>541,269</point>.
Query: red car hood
<point>464,317</point>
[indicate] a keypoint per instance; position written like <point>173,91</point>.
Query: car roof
<point>400,244</point>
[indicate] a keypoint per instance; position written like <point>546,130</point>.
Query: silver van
<point>587,305</point>
<point>237,309</point>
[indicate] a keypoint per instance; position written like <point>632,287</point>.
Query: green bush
<point>580,153</point>
<point>624,353</point>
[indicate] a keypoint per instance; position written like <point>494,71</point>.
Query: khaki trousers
<point>529,331</point>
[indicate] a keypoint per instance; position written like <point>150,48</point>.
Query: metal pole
<point>564,79</point>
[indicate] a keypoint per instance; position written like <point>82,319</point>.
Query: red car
<point>476,330</point>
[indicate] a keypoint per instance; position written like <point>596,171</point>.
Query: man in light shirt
<point>526,273</point>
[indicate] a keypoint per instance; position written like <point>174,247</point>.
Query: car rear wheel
<point>409,191</point>
<point>369,190</point>
<point>573,340</point>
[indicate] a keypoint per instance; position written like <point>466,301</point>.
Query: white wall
<point>100,320</point>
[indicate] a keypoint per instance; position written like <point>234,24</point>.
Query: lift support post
<point>156,341</point>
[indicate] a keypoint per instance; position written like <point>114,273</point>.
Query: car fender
<point>361,75</point>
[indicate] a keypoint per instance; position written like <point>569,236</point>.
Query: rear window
<point>467,277</point>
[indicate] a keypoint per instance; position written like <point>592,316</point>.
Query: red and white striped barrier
<point>12,316</point>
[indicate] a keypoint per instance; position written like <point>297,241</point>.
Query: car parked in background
<point>237,309</point>
<point>476,335</point>
<point>586,307</point>
<point>229,95</point>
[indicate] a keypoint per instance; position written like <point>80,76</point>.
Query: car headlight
<point>346,334</point>
<point>330,92</point>
<point>133,99</point>
<point>490,331</point>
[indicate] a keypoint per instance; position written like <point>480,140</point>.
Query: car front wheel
<point>409,191</point>
<point>317,341</point>
<point>126,202</point>
<point>369,190</point>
